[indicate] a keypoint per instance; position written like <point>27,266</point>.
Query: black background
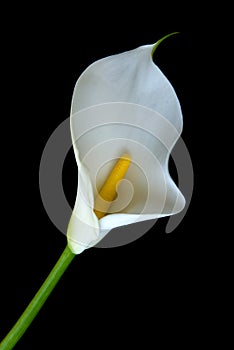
<point>155,282</point>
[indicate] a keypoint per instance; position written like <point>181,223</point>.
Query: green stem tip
<point>38,301</point>
<point>160,40</point>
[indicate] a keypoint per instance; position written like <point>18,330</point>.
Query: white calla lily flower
<point>122,107</point>
<point>123,104</point>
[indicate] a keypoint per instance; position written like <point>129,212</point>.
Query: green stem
<point>38,301</point>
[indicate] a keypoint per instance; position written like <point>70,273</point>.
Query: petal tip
<point>161,40</point>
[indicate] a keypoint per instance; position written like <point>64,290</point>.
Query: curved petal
<point>123,103</point>
<point>129,77</point>
<point>83,228</point>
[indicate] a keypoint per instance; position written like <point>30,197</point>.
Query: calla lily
<point>123,103</point>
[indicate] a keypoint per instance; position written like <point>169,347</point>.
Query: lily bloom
<point>123,104</point>
<point>122,107</point>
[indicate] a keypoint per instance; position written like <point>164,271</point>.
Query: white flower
<point>123,103</point>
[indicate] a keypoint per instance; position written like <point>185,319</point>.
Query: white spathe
<point>123,103</point>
